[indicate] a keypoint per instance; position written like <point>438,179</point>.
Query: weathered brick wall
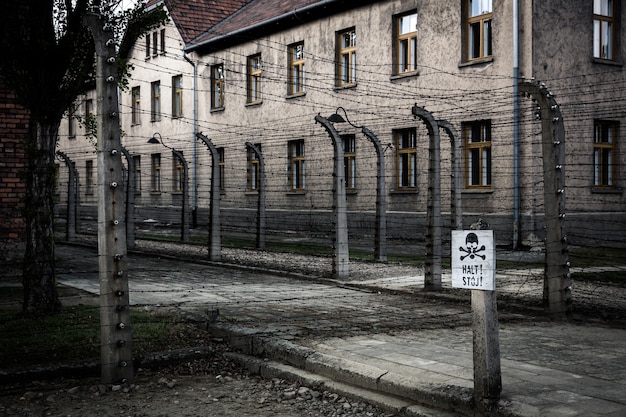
<point>13,128</point>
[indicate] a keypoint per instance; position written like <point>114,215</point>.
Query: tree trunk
<point>39,281</point>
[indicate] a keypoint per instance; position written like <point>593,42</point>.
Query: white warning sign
<point>473,260</point>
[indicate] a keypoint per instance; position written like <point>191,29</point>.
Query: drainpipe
<point>516,186</point>
<point>194,123</point>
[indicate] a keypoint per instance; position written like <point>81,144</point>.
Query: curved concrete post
<point>341,259</point>
<point>260,219</point>
<point>432,267</point>
<point>130,199</point>
<point>215,242</point>
<point>71,226</point>
<point>184,215</point>
<point>456,177</point>
<point>557,278</point>
<point>380,237</point>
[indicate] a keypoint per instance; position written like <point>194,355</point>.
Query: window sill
<point>155,120</point>
<point>295,95</point>
<point>345,87</point>
<point>296,193</point>
<point>606,190</point>
<point>477,190</point>
<point>607,62</point>
<point>402,191</point>
<point>477,61</point>
<point>408,74</point>
<point>254,103</point>
<point>351,192</point>
<point>218,109</point>
<point>177,193</point>
<point>155,193</point>
<point>250,193</point>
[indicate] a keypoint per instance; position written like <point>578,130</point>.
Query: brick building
<point>13,128</point>
<point>259,71</point>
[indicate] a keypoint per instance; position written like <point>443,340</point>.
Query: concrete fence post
<point>215,241</point>
<point>260,215</point>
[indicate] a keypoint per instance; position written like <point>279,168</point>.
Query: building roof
<point>259,17</point>
<point>193,17</point>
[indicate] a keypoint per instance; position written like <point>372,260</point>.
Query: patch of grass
<point>74,334</point>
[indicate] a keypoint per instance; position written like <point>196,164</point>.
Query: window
<point>179,174</point>
<point>217,86</point>
<point>137,163</point>
<point>254,167</point>
<point>155,101</point>
<point>177,96</point>
<point>478,154</point>
<point>156,172</point>
<point>90,120</point>
<point>604,29</point>
<point>605,136</point>
<point>296,165</point>
<point>89,177</point>
<point>349,160</point>
<point>346,54</point>
<point>478,29</point>
<point>135,106</point>
<point>296,68</point>
<point>406,159</point>
<point>406,43</point>
<point>254,78</point>
<point>71,125</point>
<point>222,166</point>
<point>152,43</point>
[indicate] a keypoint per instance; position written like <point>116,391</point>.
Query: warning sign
<point>473,260</point>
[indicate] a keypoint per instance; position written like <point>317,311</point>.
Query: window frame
<point>297,165</point>
<point>178,173</point>
<point>155,176</point>
<point>253,183</point>
<point>605,172</point>
<point>346,58</point>
<point>399,38</point>
<point>254,68</point>
<point>222,167</point>
<point>177,96</point>
<point>217,85</point>
<point>155,101</point>
<point>613,22</point>
<point>135,105</point>
<point>296,74</point>
<point>478,19</point>
<point>349,161</point>
<point>484,144</point>
<point>89,170</point>
<point>137,172</point>
<point>162,50</point>
<point>406,173</point>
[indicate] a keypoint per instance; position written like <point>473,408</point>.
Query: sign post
<point>474,268</point>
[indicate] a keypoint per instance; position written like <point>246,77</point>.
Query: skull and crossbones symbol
<point>471,248</point>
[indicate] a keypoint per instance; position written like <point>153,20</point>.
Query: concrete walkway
<point>409,353</point>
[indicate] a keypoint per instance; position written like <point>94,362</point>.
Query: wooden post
<point>487,372</point>
<point>115,326</point>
